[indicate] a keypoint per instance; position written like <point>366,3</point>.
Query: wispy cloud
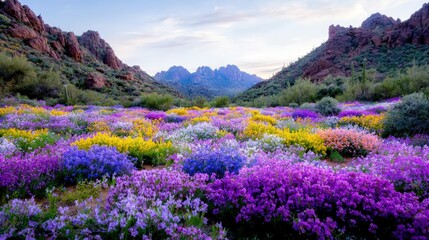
<point>303,11</point>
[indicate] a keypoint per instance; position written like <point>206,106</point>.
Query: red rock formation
<point>21,31</point>
<point>128,76</point>
<point>100,49</point>
<point>95,81</point>
<point>41,44</point>
<point>24,14</point>
<point>72,47</point>
<point>374,32</point>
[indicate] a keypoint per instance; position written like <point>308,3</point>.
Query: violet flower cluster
<point>307,201</point>
<point>214,161</point>
<point>97,162</point>
<point>146,205</point>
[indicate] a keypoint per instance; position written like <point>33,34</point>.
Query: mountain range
<point>208,83</point>
<point>87,61</point>
<point>381,42</point>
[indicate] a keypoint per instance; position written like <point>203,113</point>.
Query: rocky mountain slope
<point>380,42</point>
<point>86,61</point>
<point>225,81</point>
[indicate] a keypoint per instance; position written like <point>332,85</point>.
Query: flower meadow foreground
<point>87,172</point>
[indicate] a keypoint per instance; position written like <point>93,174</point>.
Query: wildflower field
<point>87,172</point>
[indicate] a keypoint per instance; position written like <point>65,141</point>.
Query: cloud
<point>302,11</point>
<point>264,69</point>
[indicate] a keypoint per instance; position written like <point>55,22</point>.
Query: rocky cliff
<point>381,42</point>
<point>87,61</point>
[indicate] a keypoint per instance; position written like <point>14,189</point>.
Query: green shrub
<point>47,84</point>
<point>14,71</point>
<point>157,101</point>
<point>335,156</point>
<point>408,117</point>
<point>84,190</point>
<point>219,102</point>
<point>327,106</point>
<point>199,101</point>
<point>308,106</point>
<point>293,105</point>
<point>302,91</point>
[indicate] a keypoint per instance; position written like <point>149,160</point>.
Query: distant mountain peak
<point>227,80</point>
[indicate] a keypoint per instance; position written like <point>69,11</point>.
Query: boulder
<point>95,80</point>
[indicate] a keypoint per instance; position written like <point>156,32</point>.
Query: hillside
<point>86,61</point>
<point>225,81</point>
<point>380,42</point>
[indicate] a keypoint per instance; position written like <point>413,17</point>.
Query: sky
<point>259,36</point>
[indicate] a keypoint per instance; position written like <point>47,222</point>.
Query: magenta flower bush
<point>31,173</point>
<point>293,201</point>
<point>407,167</point>
<point>156,115</point>
<point>304,113</point>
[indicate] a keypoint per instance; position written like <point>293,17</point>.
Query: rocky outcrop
<point>127,76</point>
<point>414,31</point>
<point>378,21</point>
<point>21,31</point>
<point>100,49</point>
<point>41,44</point>
<point>24,15</point>
<point>31,28</point>
<point>374,32</point>
<point>95,81</point>
<point>377,38</point>
<point>72,46</point>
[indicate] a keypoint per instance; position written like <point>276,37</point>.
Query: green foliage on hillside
<point>365,85</point>
<point>387,61</point>
<point>302,91</point>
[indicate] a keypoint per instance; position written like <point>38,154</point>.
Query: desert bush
<point>302,91</point>
<point>408,117</point>
<point>328,106</point>
<point>14,71</point>
<point>308,106</point>
<point>47,84</point>
<point>157,101</point>
<point>331,87</point>
<point>219,102</point>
